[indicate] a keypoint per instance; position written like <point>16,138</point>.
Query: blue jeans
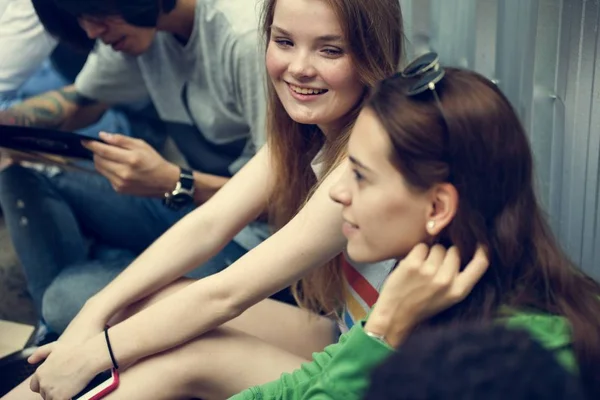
<point>73,234</point>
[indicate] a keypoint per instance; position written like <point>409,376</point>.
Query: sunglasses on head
<point>425,72</point>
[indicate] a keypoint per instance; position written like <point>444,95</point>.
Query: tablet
<point>46,146</point>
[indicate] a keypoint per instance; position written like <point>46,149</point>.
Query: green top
<point>342,370</point>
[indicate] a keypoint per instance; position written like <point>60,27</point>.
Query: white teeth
<point>305,91</point>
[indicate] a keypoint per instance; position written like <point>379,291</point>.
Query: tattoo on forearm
<point>45,111</point>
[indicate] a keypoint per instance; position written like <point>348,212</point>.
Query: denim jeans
<point>73,234</point>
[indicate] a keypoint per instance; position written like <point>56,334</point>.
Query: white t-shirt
<point>24,44</point>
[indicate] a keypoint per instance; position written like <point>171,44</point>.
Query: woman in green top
<point>439,163</point>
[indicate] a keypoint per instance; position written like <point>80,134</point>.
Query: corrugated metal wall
<point>542,53</point>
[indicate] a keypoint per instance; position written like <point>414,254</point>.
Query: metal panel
<point>514,53</point>
<point>452,31</point>
<point>547,130</point>
<point>486,23</point>
<point>588,136</point>
<point>580,19</point>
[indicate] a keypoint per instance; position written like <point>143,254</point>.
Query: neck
<point>180,21</point>
<point>332,130</point>
<point>326,130</point>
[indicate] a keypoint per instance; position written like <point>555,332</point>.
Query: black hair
<point>473,362</point>
<point>59,17</point>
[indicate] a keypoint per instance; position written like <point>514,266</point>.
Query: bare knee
<point>183,372</point>
<point>217,365</point>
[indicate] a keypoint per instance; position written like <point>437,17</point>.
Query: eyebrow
<point>358,163</point>
<point>324,38</point>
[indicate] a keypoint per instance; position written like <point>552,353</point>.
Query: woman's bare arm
<point>192,241</point>
<point>308,241</point>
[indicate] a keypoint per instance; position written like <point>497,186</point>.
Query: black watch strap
<point>183,194</point>
<point>186,177</point>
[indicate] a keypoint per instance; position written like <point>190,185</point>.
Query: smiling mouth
<point>307,91</point>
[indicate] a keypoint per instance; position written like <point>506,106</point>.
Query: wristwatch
<point>183,193</point>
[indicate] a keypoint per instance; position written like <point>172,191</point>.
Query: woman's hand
<point>68,369</point>
<point>83,327</point>
<point>423,284</point>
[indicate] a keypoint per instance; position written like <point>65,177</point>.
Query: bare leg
<point>22,392</point>
<point>288,333</point>
<point>220,364</point>
<point>290,328</point>
<point>217,365</point>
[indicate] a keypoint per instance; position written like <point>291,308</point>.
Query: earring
<point>430,225</point>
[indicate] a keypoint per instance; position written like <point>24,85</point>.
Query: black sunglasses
<point>426,73</point>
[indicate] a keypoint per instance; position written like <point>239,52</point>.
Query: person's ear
<point>444,205</point>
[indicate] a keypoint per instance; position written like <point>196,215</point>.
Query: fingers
<point>41,353</point>
<point>116,147</point>
<point>34,384</point>
<point>444,266</point>
<point>108,151</point>
<point>122,141</point>
<point>119,176</point>
<point>108,168</point>
<point>468,278</point>
<point>450,267</point>
<point>418,254</point>
<point>434,259</point>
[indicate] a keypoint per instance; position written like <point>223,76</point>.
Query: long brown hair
<point>374,33</point>
<point>482,149</point>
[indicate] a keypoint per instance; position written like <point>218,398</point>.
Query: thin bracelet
<point>110,352</point>
<point>380,338</point>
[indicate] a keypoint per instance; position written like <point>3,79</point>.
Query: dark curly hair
<point>473,362</point>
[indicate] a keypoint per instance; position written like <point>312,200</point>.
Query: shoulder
<point>105,64</point>
<point>228,31</point>
<point>236,16</point>
<point>10,9</point>
<point>19,20</point>
<point>553,332</point>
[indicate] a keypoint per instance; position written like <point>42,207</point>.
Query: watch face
<point>181,198</point>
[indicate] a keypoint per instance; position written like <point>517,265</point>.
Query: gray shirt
<point>212,86</point>
<point>211,89</point>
